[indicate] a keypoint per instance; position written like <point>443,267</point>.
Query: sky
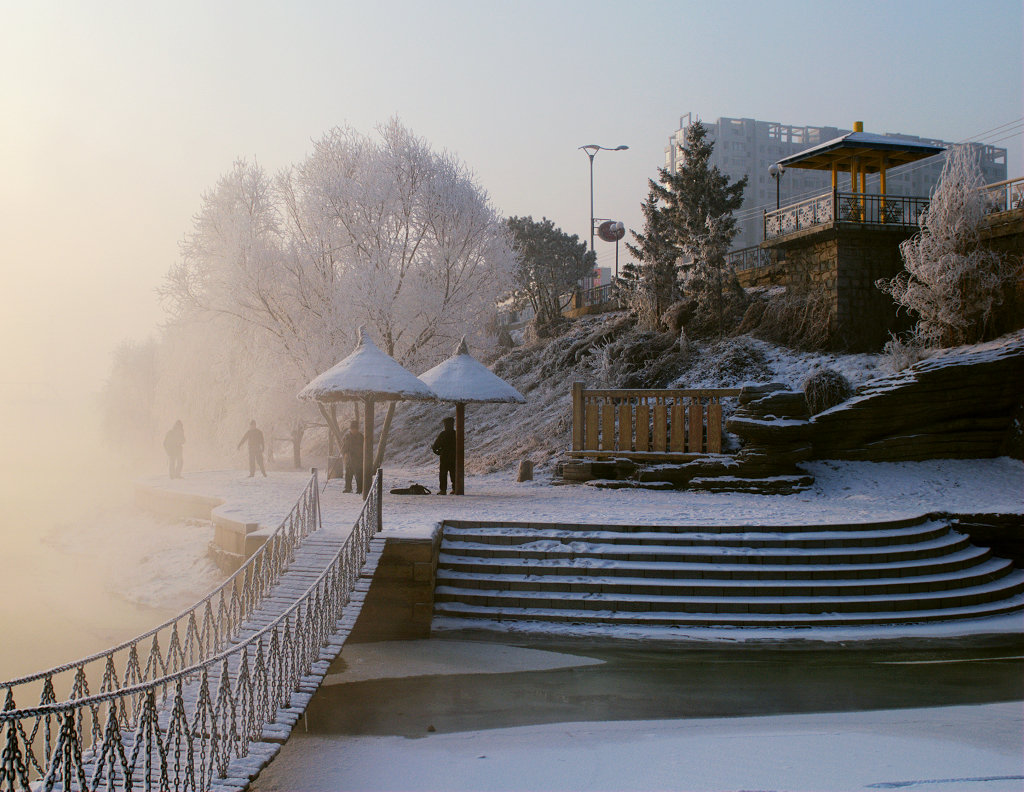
<point>117,116</point>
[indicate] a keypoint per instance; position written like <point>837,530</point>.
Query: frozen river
<point>81,568</point>
<point>460,715</point>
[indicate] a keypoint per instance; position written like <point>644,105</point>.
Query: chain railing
<point>194,634</point>
<point>181,728</point>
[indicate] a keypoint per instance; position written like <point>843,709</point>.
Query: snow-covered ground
<point>843,492</point>
<point>923,750</point>
<point>962,747</point>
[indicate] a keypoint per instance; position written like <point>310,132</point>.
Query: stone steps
<point>902,571</point>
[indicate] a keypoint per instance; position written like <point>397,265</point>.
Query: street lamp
<point>591,151</point>
<point>775,170</point>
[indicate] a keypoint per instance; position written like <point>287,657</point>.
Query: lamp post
<point>775,170</point>
<point>591,151</point>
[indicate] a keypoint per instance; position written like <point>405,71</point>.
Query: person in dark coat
<point>352,453</point>
<point>254,437</point>
<point>444,447</point>
<point>173,442</point>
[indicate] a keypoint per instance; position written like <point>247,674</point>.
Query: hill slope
<point>600,351</point>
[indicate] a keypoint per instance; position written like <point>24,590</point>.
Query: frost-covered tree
<point>551,263</point>
<point>951,282</point>
<point>376,230</point>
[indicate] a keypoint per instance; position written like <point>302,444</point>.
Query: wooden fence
<point>647,423</point>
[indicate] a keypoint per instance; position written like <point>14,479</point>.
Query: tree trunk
<point>367,447</point>
<point>385,430</point>
<point>332,424</point>
<point>297,434</point>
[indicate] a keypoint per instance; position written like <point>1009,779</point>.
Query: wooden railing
<point>639,423</point>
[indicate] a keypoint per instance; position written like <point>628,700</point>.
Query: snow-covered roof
<point>367,372</point>
<point>462,378</point>
<point>867,145</point>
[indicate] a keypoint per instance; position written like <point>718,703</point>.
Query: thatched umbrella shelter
<point>463,379</point>
<point>367,375</point>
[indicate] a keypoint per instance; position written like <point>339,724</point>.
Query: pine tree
<point>653,285</point>
<point>689,218</point>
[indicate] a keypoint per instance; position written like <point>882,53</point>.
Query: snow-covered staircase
<point>904,571</point>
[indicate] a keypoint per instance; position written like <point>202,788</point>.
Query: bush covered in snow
<point>797,317</point>
<point>952,283</point>
<point>826,388</point>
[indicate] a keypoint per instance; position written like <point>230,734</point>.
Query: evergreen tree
<point>550,264</point>
<point>652,285</point>
<point>689,218</point>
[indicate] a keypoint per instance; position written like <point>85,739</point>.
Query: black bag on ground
<point>412,489</point>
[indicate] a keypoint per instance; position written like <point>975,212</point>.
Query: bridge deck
<point>311,559</point>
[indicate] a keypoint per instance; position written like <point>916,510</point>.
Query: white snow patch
<point>924,750</point>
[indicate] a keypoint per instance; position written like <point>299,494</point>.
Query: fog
<point>80,568</point>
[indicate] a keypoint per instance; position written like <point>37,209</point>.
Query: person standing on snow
<point>173,442</point>
<point>352,453</point>
<point>254,437</point>
<point>444,447</point>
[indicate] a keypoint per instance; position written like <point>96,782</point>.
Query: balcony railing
<point>597,296</point>
<point>1004,196</point>
<point>747,258</point>
<point>878,210</point>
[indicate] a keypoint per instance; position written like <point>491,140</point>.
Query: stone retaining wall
<point>233,541</point>
<point>399,605</point>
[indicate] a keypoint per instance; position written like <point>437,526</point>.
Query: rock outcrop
<point>959,404</point>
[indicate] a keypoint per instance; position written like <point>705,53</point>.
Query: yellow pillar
<point>835,177</point>
<point>881,189</point>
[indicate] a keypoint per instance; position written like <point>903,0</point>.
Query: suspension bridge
<point>205,700</point>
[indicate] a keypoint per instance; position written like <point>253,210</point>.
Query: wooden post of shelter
<point>460,448</point>
<point>364,489</point>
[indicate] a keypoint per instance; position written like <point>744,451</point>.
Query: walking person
<point>173,442</point>
<point>352,453</point>
<point>254,437</point>
<point>444,447</point>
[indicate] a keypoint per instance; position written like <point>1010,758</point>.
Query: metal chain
<point>269,665</point>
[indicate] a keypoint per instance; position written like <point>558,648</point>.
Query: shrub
<point>800,318</point>
<point>904,351</point>
<point>826,388</point>
<point>952,282</point>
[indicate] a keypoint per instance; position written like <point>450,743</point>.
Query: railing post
<point>577,416</point>
<point>316,496</point>
<point>378,483</point>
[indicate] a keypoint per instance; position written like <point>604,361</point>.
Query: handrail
<point>845,207</point>
<point>1004,195</point>
<point>876,209</point>
<point>192,737</point>
<point>254,578</point>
